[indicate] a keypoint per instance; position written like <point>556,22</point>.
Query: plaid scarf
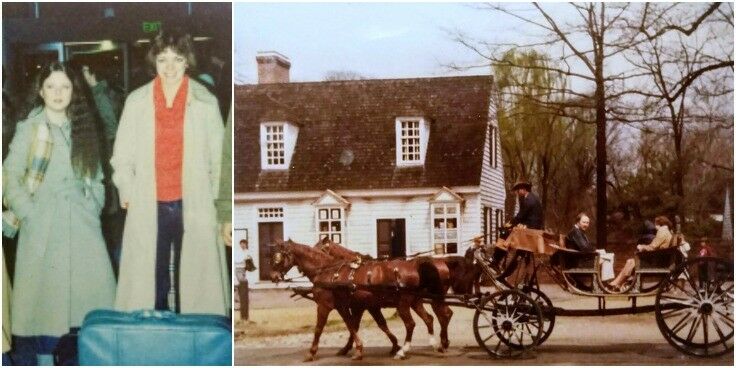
<point>38,160</point>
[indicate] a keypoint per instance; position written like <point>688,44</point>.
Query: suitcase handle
<point>153,314</point>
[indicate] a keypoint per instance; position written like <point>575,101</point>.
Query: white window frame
<point>445,235</point>
<point>423,141</point>
<point>270,214</point>
<point>289,133</point>
<point>330,212</point>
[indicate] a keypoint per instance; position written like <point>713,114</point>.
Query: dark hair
<point>663,220</point>
<point>179,42</point>
<point>85,138</point>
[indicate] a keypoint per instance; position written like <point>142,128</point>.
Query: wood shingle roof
<point>347,132</point>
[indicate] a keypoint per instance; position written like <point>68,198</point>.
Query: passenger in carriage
<point>662,240</point>
<point>576,238</point>
<point>530,207</point>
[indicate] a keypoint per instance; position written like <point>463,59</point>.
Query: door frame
<point>260,258</point>
<point>392,220</point>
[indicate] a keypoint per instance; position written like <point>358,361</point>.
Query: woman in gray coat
<point>53,188</point>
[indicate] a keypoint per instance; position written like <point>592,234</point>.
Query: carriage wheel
<point>508,323</point>
<point>694,307</point>
<point>548,313</point>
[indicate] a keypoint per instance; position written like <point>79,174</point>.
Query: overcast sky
<point>376,40</point>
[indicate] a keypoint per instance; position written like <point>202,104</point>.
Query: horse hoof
<point>342,352</point>
<point>399,356</point>
<point>394,350</point>
<point>357,357</point>
<point>309,358</point>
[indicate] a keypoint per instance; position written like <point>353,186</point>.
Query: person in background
<point>576,238</point>
<point>662,240</point>
<point>105,104</point>
<point>648,232</point>
<point>243,290</point>
<point>54,192</point>
<point>166,162</point>
<point>113,218</point>
<point>530,208</point>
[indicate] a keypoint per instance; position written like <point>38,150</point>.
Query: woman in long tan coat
<point>166,163</point>
<point>53,187</point>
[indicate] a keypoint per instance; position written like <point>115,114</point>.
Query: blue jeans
<point>33,350</point>
<point>169,238</point>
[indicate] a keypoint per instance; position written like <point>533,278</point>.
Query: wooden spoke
<point>680,324</point>
<point>719,332</point>
<point>693,329</point>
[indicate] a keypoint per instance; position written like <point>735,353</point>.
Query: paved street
<point>611,340</point>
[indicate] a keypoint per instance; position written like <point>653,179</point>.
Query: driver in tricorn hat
<point>530,208</point>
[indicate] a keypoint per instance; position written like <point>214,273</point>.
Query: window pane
<point>337,238</point>
<point>324,226</point>
<point>323,214</point>
<point>452,223</point>
<point>335,213</point>
<point>335,226</point>
<point>439,209</point>
<point>452,209</point>
<point>451,248</point>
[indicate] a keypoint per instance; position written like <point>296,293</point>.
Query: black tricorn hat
<point>522,184</point>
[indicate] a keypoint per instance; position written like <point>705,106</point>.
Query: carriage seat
<point>660,261</point>
<point>573,261</point>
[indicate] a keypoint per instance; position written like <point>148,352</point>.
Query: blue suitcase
<point>154,338</point>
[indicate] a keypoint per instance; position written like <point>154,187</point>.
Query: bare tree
<point>340,75</point>
<point>589,49</point>
<point>676,68</point>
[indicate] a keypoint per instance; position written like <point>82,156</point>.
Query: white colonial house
<point>388,167</point>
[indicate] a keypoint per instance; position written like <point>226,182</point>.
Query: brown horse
<point>339,286</point>
<point>456,272</point>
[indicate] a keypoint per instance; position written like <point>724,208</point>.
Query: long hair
<point>85,136</point>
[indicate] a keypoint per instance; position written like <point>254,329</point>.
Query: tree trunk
<point>679,172</point>
<point>600,142</point>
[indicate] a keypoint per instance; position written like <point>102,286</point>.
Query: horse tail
<point>429,278</point>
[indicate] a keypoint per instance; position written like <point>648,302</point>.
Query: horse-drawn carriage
<point>693,299</point>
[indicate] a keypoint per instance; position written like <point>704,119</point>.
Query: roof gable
<point>330,198</point>
<point>347,132</point>
<point>446,195</point>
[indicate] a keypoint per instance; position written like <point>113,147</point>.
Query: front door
<point>268,234</point>
<point>391,236</point>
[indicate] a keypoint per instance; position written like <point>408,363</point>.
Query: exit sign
<point>150,27</point>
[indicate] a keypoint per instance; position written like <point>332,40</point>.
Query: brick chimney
<point>272,67</point>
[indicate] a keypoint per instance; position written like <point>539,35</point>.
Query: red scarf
<point>169,140</point>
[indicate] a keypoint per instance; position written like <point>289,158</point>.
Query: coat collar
<point>196,93</point>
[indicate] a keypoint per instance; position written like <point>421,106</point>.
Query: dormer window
<point>278,140</point>
<point>412,135</point>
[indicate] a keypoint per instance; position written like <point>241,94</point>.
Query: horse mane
<point>342,251</point>
<point>317,256</point>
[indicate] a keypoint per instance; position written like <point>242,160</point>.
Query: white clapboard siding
<point>492,186</point>
<point>360,230</point>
